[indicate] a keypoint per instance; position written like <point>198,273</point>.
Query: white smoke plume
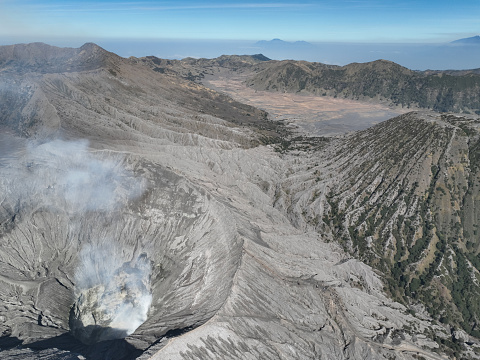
<point>112,290</point>
<point>84,181</point>
<point>65,174</point>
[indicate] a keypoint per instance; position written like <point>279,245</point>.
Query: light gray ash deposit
<point>147,200</point>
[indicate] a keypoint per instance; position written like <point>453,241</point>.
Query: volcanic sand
<point>316,115</point>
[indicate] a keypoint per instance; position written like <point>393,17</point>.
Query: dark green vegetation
<point>380,80</point>
<point>409,205</point>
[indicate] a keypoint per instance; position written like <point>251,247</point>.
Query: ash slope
<point>234,274</point>
<point>406,203</point>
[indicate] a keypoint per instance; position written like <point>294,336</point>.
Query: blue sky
<point>315,21</point>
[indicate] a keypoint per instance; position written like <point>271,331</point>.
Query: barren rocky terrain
<point>315,115</point>
<point>143,215</point>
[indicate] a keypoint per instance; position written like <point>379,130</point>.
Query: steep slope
<point>379,80</point>
<point>26,108</point>
<point>404,200</point>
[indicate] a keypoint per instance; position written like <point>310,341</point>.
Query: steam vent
<point>114,307</point>
<point>146,216</point>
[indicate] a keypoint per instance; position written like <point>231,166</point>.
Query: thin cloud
<point>225,6</point>
<point>128,6</point>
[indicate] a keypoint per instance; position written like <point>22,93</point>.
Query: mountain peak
<point>94,48</point>
<point>43,58</point>
<point>282,42</point>
<point>260,57</point>
<point>91,46</point>
<point>474,40</point>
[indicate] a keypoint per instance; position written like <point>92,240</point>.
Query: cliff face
<point>141,217</point>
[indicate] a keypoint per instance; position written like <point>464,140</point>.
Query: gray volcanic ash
<point>153,218</point>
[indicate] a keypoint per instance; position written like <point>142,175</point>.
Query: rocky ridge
<point>406,205</point>
<point>379,80</point>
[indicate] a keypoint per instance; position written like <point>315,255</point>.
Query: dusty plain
<point>314,115</point>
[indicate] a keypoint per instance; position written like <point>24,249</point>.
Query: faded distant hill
<point>280,49</point>
<point>474,40</point>
<point>416,56</point>
<point>278,43</point>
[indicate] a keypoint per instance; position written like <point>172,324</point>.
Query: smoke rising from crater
<point>112,285</point>
<point>84,181</point>
<point>113,293</point>
<point>64,174</point>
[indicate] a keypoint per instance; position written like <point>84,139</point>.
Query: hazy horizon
<point>413,33</point>
<point>415,56</point>
<point>314,21</point>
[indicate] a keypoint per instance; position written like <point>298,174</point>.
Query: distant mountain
<point>279,49</point>
<point>194,69</point>
<point>277,43</point>
<point>231,60</point>
<point>381,80</point>
<point>452,72</point>
<point>474,40</point>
